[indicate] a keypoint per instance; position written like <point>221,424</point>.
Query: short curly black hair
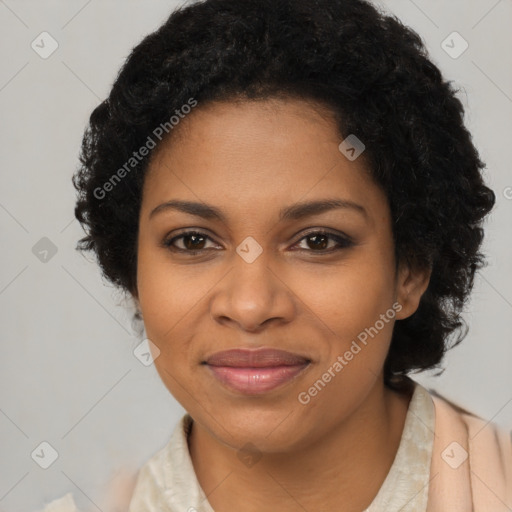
<point>374,75</point>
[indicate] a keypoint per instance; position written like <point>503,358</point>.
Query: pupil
<point>193,245</point>
<point>315,237</point>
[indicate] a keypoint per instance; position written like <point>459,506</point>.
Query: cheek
<point>347,297</point>
<point>353,305</point>
<point>169,300</point>
<point>356,304</point>
<point>167,292</point>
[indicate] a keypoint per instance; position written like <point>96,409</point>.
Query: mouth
<point>255,371</point>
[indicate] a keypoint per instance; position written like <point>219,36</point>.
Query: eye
<point>318,242</point>
<point>193,242</point>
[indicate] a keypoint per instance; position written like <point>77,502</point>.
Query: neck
<point>346,466</point>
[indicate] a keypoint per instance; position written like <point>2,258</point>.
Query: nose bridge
<point>252,282</point>
<point>252,293</point>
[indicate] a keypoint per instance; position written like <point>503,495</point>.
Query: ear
<point>410,286</point>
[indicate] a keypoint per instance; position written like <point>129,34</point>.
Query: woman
<point>289,194</point>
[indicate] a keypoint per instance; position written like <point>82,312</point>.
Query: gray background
<point>68,372</point>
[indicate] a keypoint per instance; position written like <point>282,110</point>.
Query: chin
<point>269,429</point>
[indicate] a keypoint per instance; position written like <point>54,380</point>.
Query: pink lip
<point>255,371</point>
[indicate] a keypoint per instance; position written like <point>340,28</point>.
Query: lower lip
<point>254,381</point>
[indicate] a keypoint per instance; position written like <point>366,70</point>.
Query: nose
<point>251,296</point>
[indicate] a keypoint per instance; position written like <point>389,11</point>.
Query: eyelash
<point>344,242</point>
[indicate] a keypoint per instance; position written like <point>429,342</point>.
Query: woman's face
<point>263,275</point>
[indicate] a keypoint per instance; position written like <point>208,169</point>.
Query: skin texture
<point>250,159</point>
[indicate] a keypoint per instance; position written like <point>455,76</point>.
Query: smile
<point>255,371</point>
<point>254,381</point>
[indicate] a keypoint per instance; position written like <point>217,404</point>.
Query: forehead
<point>264,153</point>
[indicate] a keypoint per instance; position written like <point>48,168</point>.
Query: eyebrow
<point>294,212</point>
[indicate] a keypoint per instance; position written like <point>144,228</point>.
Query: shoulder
<point>130,489</point>
<point>64,504</point>
<point>166,474</point>
<point>481,434</point>
<point>471,460</point>
<point>116,494</point>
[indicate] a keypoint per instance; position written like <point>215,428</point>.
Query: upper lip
<point>255,358</point>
